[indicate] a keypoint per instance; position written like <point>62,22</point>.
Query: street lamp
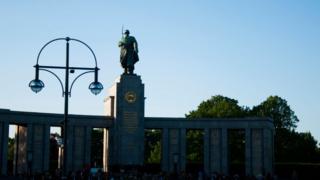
<point>37,85</point>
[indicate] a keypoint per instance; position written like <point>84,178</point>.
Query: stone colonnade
<point>258,142</point>
<point>34,133</point>
<point>124,143</point>
<point>258,150</point>
<point>32,146</point>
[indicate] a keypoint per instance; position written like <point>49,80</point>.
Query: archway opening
<point>55,157</point>
<point>194,151</point>
<point>152,150</point>
<point>236,151</point>
<point>12,149</point>
<point>97,148</point>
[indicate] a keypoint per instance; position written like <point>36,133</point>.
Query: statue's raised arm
<point>128,52</point>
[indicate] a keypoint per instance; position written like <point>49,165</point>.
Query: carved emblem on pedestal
<point>130,97</point>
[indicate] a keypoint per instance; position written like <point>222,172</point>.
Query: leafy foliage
<point>11,142</point>
<point>155,154</point>
<point>236,146</point>
<point>194,146</point>
<point>291,146</point>
<point>152,147</point>
<point>220,107</point>
<point>277,109</point>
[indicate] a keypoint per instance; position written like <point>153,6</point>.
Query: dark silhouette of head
<point>127,32</point>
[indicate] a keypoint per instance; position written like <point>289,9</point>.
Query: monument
<point>128,52</point>
<point>124,124</point>
<point>127,133</point>
<point>127,94</point>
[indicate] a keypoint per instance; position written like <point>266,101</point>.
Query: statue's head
<point>127,32</point>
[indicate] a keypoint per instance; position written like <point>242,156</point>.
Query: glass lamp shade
<point>95,87</point>
<point>36,85</point>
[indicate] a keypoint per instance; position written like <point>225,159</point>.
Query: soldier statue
<point>128,52</point>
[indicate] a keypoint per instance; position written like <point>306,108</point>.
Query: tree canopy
<point>277,109</point>
<point>219,107</point>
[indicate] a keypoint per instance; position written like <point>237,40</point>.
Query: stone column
<point>29,154</point>
<point>70,145</point>
<point>4,133</point>
<point>46,151</point>
<point>38,146</point>
<point>257,151</point>
<point>113,147</point>
<point>174,148</point>
<point>224,154</point>
<point>182,157</point>
<point>20,157</point>
<point>87,145</point>
<point>215,150</point>
<point>268,150</point>
<point>78,147</point>
<point>248,157</point>
<point>109,106</point>
<point>206,151</point>
<point>165,150</point>
<point>105,149</point>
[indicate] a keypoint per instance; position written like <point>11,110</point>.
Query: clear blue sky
<point>189,51</point>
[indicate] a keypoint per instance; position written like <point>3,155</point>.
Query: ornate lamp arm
<point>56,77</point>
<point>76,79</point>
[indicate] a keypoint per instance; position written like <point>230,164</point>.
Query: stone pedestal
<point>127,133</point>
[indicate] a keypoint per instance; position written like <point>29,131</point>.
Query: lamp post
<point>37,85</point>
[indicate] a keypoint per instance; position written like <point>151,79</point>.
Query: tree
<point>11,142</point>
<point>285,121</point>
<point>290,146</point>
<point>304,147</point>
<point>277,109</point>
<point>218,107</point>
<point>152,147</point>
<point>194,146</point>
<point>155,153</point>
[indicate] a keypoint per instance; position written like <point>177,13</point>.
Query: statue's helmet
<point>127,32</point>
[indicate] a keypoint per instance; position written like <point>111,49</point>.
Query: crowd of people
<point>87,174</point>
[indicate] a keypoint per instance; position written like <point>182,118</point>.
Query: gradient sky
<point>189,51</point>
